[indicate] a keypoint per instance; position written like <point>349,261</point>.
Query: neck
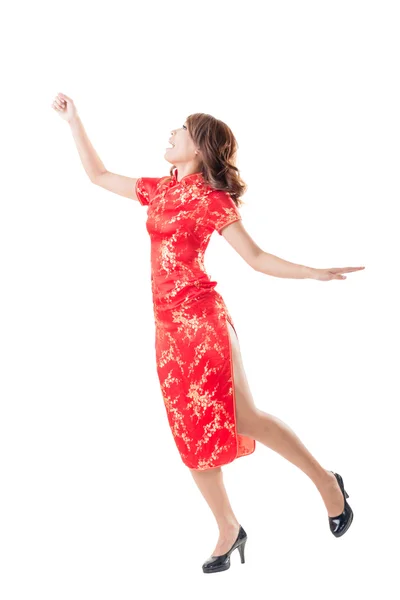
<point>184,170</point>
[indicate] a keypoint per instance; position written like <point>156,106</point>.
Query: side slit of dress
<point>251,444</point>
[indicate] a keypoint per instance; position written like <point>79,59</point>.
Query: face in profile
<point>182,148</point>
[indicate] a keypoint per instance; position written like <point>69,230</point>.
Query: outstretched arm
<point>241,241</point>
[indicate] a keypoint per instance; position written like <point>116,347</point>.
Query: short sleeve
<point>221,210</point>
<point>146,189</point>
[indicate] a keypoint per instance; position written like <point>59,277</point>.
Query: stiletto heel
<point>221,563</point>
<point>340,524</point>
<point>241,551</point>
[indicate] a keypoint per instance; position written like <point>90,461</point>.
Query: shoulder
<point>165,179</point>
<point>221,198</point>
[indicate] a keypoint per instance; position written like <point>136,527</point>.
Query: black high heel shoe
<point>223,562</point>
<point>340,524</point>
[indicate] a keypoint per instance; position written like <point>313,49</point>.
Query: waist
<point>180,293</point>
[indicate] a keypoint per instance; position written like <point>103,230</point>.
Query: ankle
<point>227,525</point>
<point>325,478</point>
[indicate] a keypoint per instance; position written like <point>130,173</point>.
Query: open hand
<point>65,107</point>
<point>334,273</point>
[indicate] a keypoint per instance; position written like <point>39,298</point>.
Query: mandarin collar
<point>187,179</point>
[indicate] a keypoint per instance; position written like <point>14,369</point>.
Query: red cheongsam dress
<point>192,343</point>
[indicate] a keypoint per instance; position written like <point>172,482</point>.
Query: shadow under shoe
<point>223,562</point>
<point>340,524</point>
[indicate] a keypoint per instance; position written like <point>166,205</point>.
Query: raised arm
<point>119,184</point>
<point>95,169</point>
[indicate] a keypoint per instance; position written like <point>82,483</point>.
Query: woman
<point>207,399</point>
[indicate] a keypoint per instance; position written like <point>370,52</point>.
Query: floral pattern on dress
<point>192,343</point>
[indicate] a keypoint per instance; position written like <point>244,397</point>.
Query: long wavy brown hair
<point>218,147</point>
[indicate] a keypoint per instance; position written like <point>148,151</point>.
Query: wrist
<point>73,120</point>
<point>309,272</point>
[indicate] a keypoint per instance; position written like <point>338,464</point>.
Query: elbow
<point>96,177</point>
<point>256,261</point>
<point>254,266</point>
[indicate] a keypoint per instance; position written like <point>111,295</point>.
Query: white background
<point>95,501</point>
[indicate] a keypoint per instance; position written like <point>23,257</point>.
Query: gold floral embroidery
<point>193,354</point>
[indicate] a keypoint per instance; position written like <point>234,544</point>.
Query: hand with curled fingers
<point>65,107</point>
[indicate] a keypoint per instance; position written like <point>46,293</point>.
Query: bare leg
<point>271,432</point>
<point>211,485</point>
<point>277,435</point>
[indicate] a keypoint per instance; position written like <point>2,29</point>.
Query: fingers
<point>65,96</point>
<point>345,269</point>
<point>59,103</point>
<point>351,269</point>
